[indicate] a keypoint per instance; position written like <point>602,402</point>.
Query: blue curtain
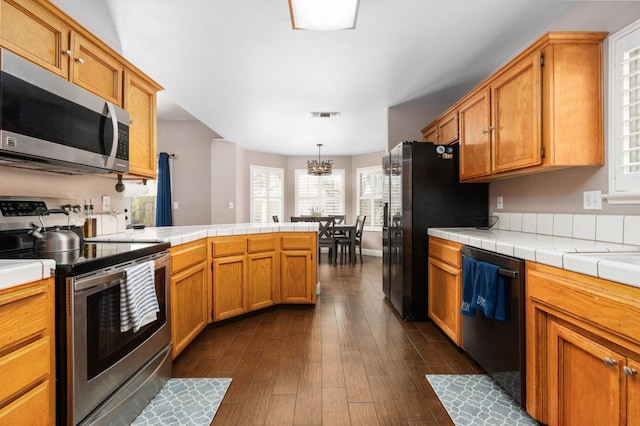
<point>163,203</point>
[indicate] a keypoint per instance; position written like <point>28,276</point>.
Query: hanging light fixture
<point>323,15</point>
<point>319,167</point>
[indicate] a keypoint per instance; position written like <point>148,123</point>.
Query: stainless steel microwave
<point>48,123</point>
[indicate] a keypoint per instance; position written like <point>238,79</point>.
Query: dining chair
<point>275,218</point>
<point>359,231</point>
<point>325,235</point>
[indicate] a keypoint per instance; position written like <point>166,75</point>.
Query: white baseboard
<point>370,252</point>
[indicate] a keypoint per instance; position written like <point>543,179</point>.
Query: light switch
<point>175,205</point>
<point>230,205</point>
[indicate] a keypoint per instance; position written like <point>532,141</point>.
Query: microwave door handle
<point>114,146</point>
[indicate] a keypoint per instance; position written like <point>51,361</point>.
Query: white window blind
<point>267,188</point>
<point>624,143</point>
<point>370,201</point>
<point>319,194</point>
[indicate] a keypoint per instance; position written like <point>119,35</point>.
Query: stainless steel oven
<point>499,345</point>
<point>101,358</point>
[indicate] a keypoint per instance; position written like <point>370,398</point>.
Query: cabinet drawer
<point>22,318</point>
<point>297,241</point>
<point>262,243</point>
<point>228,246</point>
<point>32,409</point>
<point>185,255</point>
<point>446,251</point>
<point>24,367</point>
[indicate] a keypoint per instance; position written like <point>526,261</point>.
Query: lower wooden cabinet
<point>27,354</point>
<point>583,347</point>
<point>445,287</point>
<point>298,268</point>
<point>189,293</point>
<point>229,287</point>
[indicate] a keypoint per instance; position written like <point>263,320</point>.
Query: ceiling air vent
<point>324,114</point>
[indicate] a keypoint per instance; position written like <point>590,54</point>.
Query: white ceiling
<point>239,68</point>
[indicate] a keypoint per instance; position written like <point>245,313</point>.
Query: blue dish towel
<point>468,274</point>
<point>485,288</point>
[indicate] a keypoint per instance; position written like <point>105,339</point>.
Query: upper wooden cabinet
<point>32,31</point>
<point>443,131</point>
<point>140,101</point>
<point>541,111</point>
<point>41,33</point>
<point>97,70</point>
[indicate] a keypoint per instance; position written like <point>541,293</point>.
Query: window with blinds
<point>267,189</point>
<point>370,201</point>
<point>625,109</point>
<point>322,195</point>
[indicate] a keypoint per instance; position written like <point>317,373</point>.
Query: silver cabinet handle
<point>66,52</point>
<point>80,60</point>
<point>610,362</point>
<point>628,371</point>
<point>487,130</point>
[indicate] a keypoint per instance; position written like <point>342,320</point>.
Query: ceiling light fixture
<point>323,15</point>
<point>318,167</point>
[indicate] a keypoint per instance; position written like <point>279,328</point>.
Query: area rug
<point>476,399</point>
<point>185,402</point>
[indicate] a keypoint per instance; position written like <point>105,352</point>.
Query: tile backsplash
<point>610,228</point>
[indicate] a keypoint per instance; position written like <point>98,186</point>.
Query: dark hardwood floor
<point>349,360</point>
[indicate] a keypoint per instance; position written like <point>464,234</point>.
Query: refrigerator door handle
<point>385,216</point>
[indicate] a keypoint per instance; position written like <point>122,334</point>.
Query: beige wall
<point>190,141</point>
<point>223,181</point>
<point>406,123</point>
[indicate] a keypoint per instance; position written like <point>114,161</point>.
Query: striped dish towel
<point>138,300</point>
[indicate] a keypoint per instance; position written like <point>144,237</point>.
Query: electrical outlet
<point>500,203</point>
<point>592,200</point>
<point>106,203</point>
<point>230,205</point>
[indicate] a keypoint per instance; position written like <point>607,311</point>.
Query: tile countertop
<point>177,235</point>
<point>16,272</point>
<point>573,254</point>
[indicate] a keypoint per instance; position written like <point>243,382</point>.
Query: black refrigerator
<point>421,190</point>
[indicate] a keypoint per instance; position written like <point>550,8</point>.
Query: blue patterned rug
<point>185,402</point>
<point>476,399</point>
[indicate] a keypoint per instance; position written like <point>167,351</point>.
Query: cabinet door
<point>585,380</point>
<point>140,102</point>
<point>188,305</point>
<point>633,393</point>
<point>261,278</point>
<point>30,31</point>
<point>475,142</point>
<point>430,134</point>
<point>229,289</point>
<point>448,128</point>
<point>297,279</point>
<point>516,116</point>
<point>445,298</point>
<point>96,70</point>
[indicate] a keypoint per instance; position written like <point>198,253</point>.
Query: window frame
<point>370,214</point>
<point>619,192</point>
<point>298,172</point>
<point>267,169</point>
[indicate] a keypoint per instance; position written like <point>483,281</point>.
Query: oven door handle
<point>508,273</point>
<point>98,283</point>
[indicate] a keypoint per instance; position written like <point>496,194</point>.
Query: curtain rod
<point>170,155</point>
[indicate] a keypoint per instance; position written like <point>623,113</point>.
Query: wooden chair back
<point>325,231</point>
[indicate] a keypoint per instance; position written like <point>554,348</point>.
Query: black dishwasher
<point>499,345</point>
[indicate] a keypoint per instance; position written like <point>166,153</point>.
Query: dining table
<point>343,232</point>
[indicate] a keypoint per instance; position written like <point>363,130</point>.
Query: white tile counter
<point>16,272</point>
<point>177,235</point>
<point>613,261</point>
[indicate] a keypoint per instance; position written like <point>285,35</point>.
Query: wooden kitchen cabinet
<point>583,347</point>
<point>43,34</point>
<point>298,267</point>
<point>475,142</point>
<point>27,354</point>
<point>140,102</point>
<point>96,69</point>
<point>228,280</point>
<point>262,271</point>
<point>189,293</point>
<point>443,131</point>
<point>29,29</point>
<point>445,287</point>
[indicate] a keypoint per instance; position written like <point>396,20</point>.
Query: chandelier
<point>318,167</point>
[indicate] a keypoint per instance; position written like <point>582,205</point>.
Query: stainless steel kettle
<point>54,240</point>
